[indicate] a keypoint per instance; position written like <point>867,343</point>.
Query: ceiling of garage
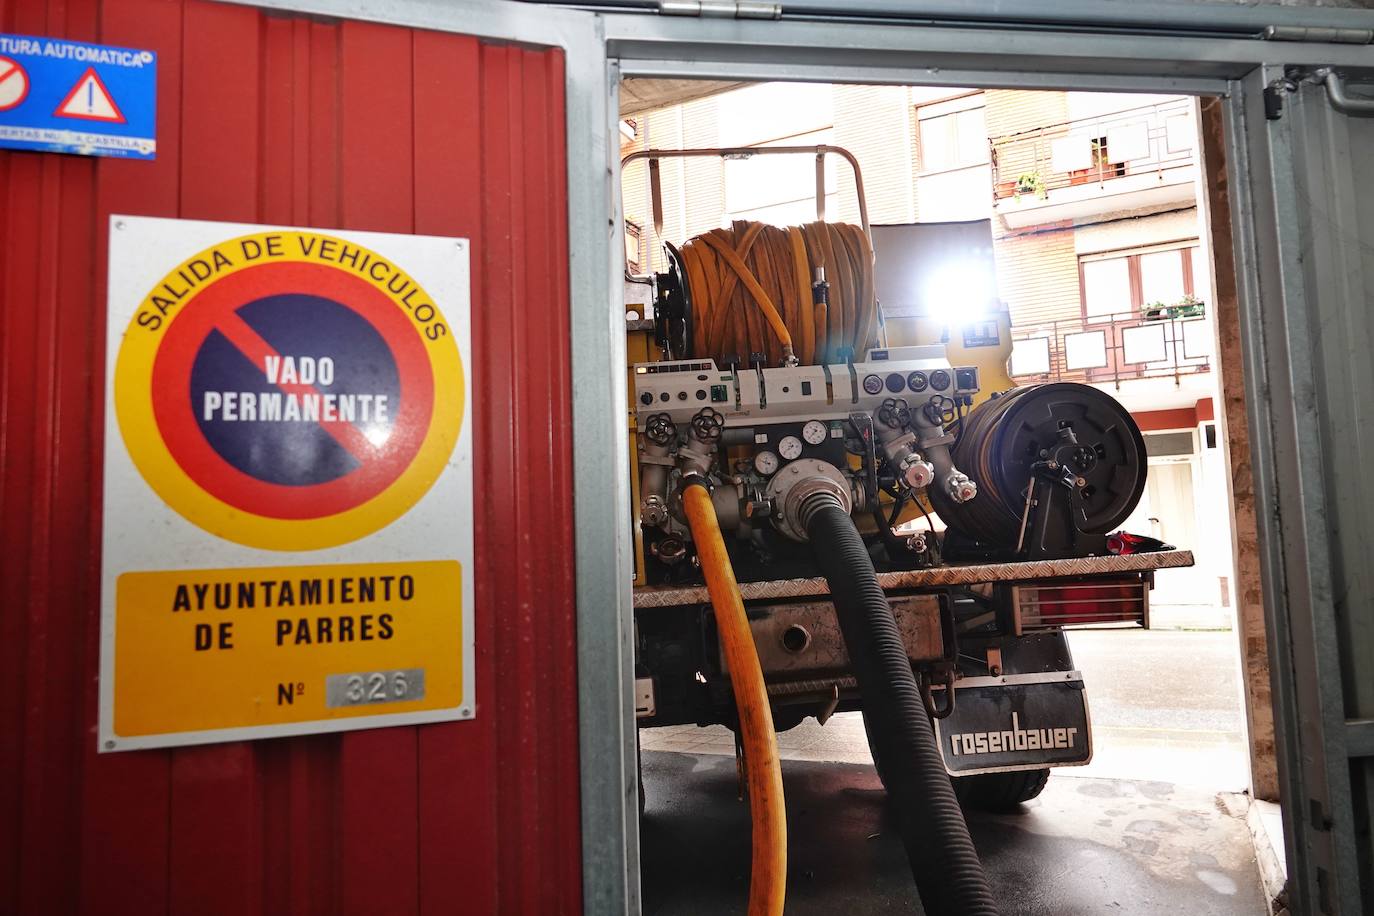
<point>641,95</point>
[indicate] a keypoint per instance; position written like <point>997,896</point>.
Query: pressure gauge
<point>766,463</point>
<point>814,432</point>
<point>790,448</point>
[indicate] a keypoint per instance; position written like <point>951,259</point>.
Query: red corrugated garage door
<point>275,119</point>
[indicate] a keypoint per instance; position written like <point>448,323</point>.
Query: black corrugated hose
<point>948,875</point>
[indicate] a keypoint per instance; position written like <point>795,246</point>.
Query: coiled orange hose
<point>751,292</point>
<point>768,874</point>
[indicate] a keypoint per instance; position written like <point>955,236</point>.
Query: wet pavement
<point>1085,846</point>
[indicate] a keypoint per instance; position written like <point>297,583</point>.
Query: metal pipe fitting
<point>917,473</point>
<point>792,488</point>
<point>959,487</point>
<point>654,511</point>
<point>654,464</point>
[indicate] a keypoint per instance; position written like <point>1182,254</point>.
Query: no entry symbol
<point>14,83</point>
<point>240,398</point>
<point>289,390</point>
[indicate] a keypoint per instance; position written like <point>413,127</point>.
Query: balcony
<point>1159,355</point>
<point>1128,160</point>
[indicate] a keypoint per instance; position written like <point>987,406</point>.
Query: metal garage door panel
<point>1313,231</point>
<point>275,118</point>
<point>1336,205</point>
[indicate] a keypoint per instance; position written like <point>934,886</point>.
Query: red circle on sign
<point>212,309</point>
<point>10,70</point>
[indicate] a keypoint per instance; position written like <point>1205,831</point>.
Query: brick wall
<point>873,123</point>
<point>1037,269</point>
<point>1037,274</point>
<point>1014,111</point>
<point>693,189</point>
<point>1139,231</point>
<point>704,196</point>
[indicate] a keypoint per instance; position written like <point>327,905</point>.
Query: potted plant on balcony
<point>1031,183</point>
<point>1187,307</point>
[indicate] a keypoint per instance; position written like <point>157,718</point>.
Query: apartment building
<point>1091,199</point>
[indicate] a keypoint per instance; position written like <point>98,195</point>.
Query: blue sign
<point>71,97</point>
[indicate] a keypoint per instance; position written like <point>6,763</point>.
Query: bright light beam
<point>959,292</point>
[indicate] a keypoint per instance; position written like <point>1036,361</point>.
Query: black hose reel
<point>1058,466</point>
<point>673,308</point>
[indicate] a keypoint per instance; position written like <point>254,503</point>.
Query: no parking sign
<point>288,483</point>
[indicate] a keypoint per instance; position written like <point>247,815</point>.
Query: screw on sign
<point>14,83</point>
<point>289,390</point>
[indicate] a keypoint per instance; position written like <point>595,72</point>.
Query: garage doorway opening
<point>1085,218</point>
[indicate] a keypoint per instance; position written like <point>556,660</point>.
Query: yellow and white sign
<point>288,483</point>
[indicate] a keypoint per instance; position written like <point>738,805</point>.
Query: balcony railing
<point>1159,343</point>
<point>1151,139</point>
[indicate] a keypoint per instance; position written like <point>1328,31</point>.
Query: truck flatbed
<point>658,596</point>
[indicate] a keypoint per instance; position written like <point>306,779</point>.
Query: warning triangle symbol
<point>90,100</point>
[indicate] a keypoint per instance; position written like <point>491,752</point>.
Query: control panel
<point>752,395</point>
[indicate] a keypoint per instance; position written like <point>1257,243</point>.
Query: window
<point>1121,283</point>
<point>1106,287</point>
<point>953,159</point>
<point>1202,277</point>
<point>952,141</point>
<point>1167,445</point>
<point>634,247</point>
<point>1162,278</point>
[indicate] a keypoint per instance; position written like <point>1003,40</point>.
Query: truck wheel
<point>871,733</point>
<point>1000,791</point>
<point>986,791</point>
<point>639,772</point>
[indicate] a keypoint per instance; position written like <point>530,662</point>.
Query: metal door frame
<point>1275,308</point>
<point>1184,48</point>
<point>600,447</point>
<point>1237,66</point>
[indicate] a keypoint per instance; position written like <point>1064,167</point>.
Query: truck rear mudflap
<point>1016,722</point>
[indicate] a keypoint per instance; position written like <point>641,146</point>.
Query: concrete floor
<point>1085,846</point>
<point>1165,705</point>
<point>1142,829</point>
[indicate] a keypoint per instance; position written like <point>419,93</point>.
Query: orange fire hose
<point>768,876</point>
<point>751,292</point>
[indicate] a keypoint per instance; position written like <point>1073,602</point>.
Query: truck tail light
<point>1048,605</point>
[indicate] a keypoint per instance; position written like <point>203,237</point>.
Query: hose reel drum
<point>1059,466</point>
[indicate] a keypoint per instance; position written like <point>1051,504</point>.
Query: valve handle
<point>660,430</point>
<point>894,413</point>
<point>708,424</point>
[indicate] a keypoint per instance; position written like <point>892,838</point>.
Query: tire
<point>1000,791</point>
<point>871,733</point>
<point>986,791</point>
<point>639,772</point>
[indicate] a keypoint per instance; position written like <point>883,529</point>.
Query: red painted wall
<point>275,119</point>
<point>1174,418</point>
